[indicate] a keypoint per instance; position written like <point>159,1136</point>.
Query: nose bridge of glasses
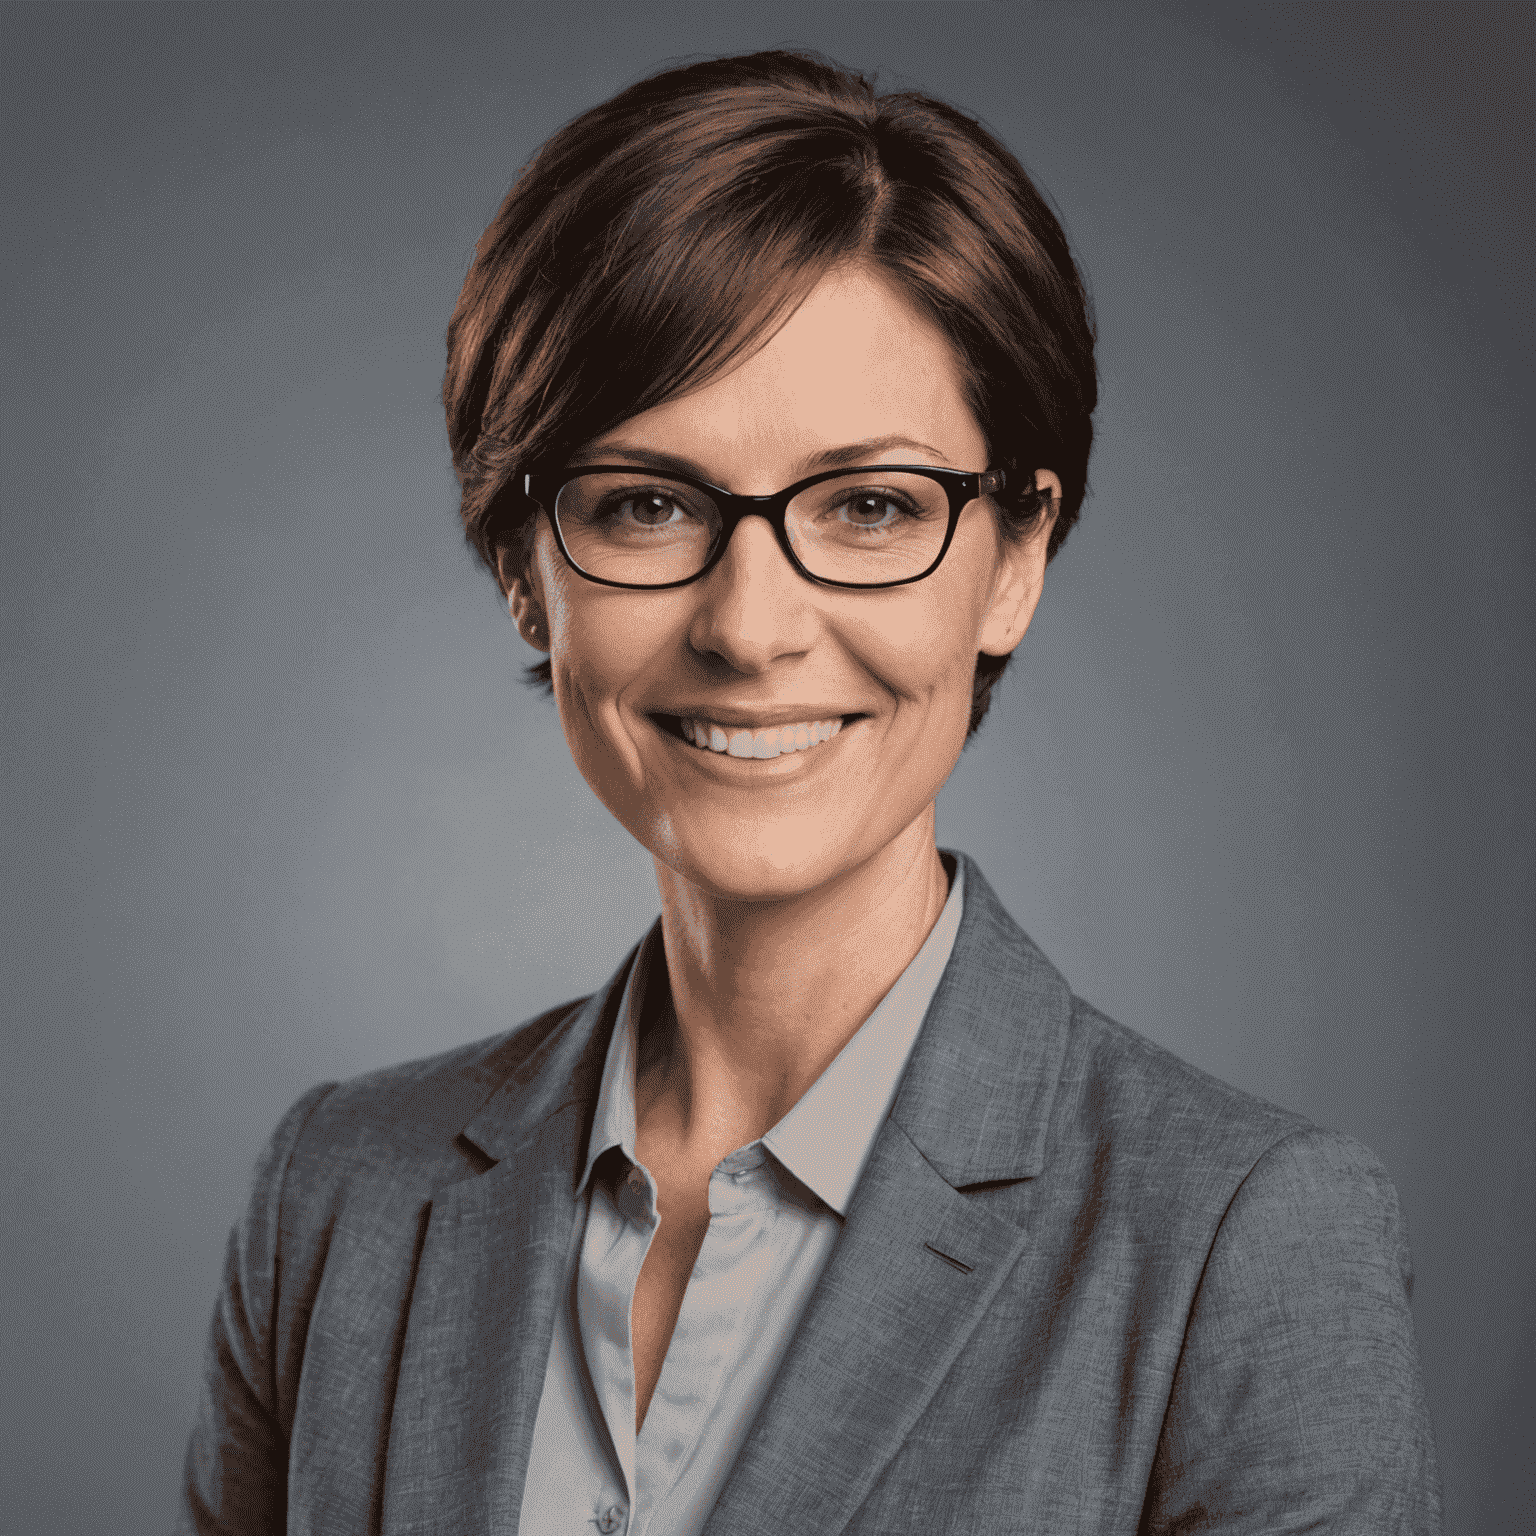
<point>735,507</point>
<point>736,510</point>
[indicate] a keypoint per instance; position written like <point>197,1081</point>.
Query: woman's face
<point>754,645</point>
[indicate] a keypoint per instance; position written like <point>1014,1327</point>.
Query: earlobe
<point>1020,578</point>
<point>525,607</point>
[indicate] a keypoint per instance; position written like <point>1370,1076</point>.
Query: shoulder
<point>1117,1082</point>
<point>397,1126</point>
<point>1076,1086</point>
<point>1181,1144</point>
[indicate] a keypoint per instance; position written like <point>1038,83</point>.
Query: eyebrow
<point>863,452</point>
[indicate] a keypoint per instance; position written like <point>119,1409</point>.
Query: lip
<point>745,718</point>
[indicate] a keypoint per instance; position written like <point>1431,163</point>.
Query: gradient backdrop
<point>278,809</point>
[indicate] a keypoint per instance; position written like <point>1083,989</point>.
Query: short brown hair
<point>658,237</point>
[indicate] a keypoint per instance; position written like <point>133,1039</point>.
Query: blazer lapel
<point>496,1252</point>
<point>919,1261</point>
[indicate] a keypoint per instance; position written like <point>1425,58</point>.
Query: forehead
<point>856,361</point>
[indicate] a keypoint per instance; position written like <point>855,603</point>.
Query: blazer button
<point>611,1519</point>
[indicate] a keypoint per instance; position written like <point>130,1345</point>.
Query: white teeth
<point>772,741</point>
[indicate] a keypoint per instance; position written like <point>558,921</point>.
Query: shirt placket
<point>620,1227</point>
<point>734,1261</point>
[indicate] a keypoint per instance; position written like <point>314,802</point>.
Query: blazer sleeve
<point>1297,1404</point>
<point>235,1480</point>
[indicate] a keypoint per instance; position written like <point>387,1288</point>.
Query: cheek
<point>590,669</point>
<point>924,651</point>
<point>582,658</point>
<point>558,601</point>
<point>588,679</point>
<point>602,645</point>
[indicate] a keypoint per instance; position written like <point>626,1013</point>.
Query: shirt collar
<point>826,1139</point>
<point>614,1123</point>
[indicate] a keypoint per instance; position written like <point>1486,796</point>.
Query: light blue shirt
<point>776,1208</point>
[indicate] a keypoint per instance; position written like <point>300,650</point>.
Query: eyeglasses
<point>880,525</point>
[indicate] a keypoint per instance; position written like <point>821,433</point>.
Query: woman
<point>834,1209</point>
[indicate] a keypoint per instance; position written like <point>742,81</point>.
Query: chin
<point>755,862</point>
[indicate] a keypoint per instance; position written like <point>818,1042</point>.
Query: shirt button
<point>636,1179</point>
<point>611,1519</point>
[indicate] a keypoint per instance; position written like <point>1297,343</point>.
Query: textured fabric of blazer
<point>1082,1287</point>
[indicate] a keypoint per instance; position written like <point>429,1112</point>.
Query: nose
<point>754,608</point>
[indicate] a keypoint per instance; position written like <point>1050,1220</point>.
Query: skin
<point>794,891</point>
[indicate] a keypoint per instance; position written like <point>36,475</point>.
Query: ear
<point>1020,577</point>
<point>524,600</point>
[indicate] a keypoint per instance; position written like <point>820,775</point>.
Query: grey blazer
<point>1082,1287</point>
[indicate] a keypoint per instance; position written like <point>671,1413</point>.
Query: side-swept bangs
<point>661,236</point>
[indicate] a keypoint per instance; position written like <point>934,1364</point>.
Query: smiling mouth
<point>738,741</point>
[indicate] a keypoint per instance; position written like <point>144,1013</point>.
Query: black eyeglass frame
<point>962,487</point>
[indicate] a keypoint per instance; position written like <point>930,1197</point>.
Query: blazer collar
<point>563,1070</point>
<point>977,1094</point>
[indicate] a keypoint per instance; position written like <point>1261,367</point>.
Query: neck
<point>766,994</point>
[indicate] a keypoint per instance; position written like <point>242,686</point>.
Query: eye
<point>869,509</point>
<point>649,509</point>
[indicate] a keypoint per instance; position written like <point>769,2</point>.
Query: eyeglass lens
<point>647,530</point>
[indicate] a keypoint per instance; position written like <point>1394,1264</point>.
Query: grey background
<point>277,808</point>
